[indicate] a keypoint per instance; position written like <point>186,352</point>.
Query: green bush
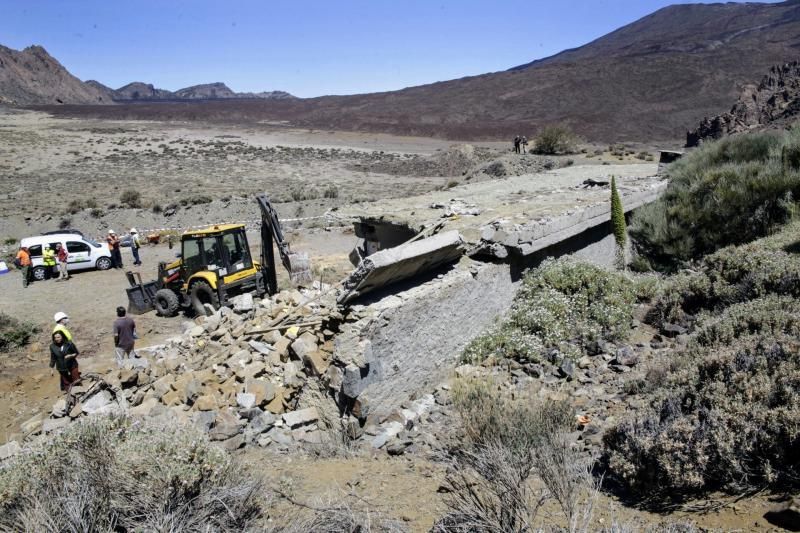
<point>555,139</point>
<point>726,192</point>
<point>15,333</point>
<point>74,207</point>
<point>109,474</point>
<point>131,198</point>
<point>564,304</point>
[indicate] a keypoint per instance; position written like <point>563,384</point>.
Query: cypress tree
<point>618,222</point>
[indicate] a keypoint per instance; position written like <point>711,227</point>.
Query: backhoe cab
<point>215,264</point>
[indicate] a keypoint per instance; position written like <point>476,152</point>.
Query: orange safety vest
<point>24,258</point>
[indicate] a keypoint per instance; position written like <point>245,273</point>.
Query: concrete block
<point>401,262</point>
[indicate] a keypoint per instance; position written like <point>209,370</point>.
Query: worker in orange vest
<point>23,263</point>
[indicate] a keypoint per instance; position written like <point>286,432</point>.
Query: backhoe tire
<point>201,293</point>
<point>167,303</point>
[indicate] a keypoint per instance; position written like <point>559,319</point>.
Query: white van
<point>83,253</point>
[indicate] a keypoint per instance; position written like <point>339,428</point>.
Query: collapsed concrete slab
<point>389,266</point>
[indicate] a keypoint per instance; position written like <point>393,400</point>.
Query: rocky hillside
<point>205,91</point>
<point>32,76</point>
<point>774,100</point>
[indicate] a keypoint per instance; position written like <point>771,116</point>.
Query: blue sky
<point>306,47</point>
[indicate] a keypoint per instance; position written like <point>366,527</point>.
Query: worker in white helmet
<point>135,245</point>
<point>62,320</point>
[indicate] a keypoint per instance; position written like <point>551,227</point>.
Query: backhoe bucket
<point>300,269</point>
<point>141,296</point>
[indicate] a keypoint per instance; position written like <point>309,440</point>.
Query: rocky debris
<point>240,374</point>
<point>776,98</point>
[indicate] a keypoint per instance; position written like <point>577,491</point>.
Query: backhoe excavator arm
<point>298,265</point>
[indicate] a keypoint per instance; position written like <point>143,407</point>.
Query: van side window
<point>74,247</point>
<point>35,251</point>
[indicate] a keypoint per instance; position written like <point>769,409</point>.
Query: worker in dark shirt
<point>63,357</point>
<point>124,336</point>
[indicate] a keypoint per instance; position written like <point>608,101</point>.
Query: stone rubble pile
<point>233,374</point>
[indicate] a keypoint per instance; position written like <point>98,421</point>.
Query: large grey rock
<point>204,420</point>
<point>260,347</point>
<point>9,449</point>
<point>59,408</point>
<point>99,403</point>
<point>52,424</point>
<point>301,417</point>
<point>32,425</point>
<point>243,303</point>
<point>304,345</point>
<point>626,356</point>
<point>226,425</point>
<point>246,400</point>
<point>263,390</point>
<point>261,423</point>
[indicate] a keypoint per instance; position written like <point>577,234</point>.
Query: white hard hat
<point>133,230</point>
<point>58,317</point>
<point>112,232</point>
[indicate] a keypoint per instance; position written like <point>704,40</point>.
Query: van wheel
<point>39,273</point>
<point>201,294</point>
<point>166,302</point>
<point>104,263</point>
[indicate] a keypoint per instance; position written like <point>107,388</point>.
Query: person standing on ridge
<point>524,144</point>
<point>62,256</point>
<point>49,261</point>
<point>516,144</point>
<point>135,245</point>
<point>23,262</point>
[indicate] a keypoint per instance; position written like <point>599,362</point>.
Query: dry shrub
<point>112,474</point>
<point>555,139</point>
<point>510,443</point>
<point>731,275</point>
<point>726,415</point>
<point>15,333</point>
<point>565,304</point>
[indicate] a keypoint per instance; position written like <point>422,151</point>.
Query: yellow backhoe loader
<point>214,265</point>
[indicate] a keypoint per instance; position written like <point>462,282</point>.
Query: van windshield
<point>93,243</point>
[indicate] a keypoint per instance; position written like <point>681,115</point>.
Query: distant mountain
<point>207,91</point>
<point>32,76</point>
<point>142,91</point>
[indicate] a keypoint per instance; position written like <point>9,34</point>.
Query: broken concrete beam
<point>401,262</point>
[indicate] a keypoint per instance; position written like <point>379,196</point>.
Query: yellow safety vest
<point>64,331</point>
<point>49,257</point>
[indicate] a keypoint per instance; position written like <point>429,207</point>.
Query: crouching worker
<point>63,357</point>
